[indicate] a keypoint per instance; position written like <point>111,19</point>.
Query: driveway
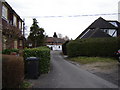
<point>63,74</point>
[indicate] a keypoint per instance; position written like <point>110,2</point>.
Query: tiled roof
<point>98,24</point>
<point>54,40</point>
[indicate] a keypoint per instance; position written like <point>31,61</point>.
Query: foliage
<point>64,48</point>
<point>8,51</point>
<point>43,53</point>
<point>25,84</point>
<point>93,47</point>
<point>55,35</point>
<point>12,71</point>
<point>36,34</point>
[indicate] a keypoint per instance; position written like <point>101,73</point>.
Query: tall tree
<point>55,35</point>
<point>36,34</point>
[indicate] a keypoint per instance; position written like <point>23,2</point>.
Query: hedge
<point>12,71</point>
<point>93,47</point>
<point>43,53</point>
<point>64,48</point>
<point>9,51</point>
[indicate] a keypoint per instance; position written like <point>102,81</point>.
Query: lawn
<point>87,60</point>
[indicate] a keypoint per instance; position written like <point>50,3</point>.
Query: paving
<point>63,74</point>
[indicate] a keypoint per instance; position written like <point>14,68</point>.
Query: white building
<point>54,43</point>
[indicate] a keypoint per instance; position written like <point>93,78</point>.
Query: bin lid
<point>32,58</point>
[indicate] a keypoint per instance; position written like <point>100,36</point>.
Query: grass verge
<point>88,60</point>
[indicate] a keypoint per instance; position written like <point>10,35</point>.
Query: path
<point>63,74</point>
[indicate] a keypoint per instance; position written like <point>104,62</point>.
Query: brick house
<point>11,27</point>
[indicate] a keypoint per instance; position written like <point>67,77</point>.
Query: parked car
<point>118,55</point>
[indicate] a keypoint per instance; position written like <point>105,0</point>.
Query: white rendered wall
<point>55,47</point>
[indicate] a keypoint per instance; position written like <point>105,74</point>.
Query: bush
<point>8,51</point>
<point>12,71</point>
<point>93,47</point>
<point>43,53</point>
<point>64,48</point>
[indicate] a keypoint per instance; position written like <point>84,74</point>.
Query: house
<point>11,27</point>
<point>54,43</point>
<point>101,28</point>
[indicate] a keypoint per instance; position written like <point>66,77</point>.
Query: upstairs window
<point>14,20</point>
<point>4,12</point>
<point>112,33</point>
<point>20,25</point>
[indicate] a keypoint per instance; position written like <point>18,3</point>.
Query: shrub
<point>93,47</point>
<point>64,48</point>
<point>8,51</point>
<point>12,71</point>
<point>43,53</point>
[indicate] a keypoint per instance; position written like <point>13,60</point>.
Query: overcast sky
<point>48,13</point>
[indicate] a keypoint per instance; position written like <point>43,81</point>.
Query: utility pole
<point>119,11</point>
<point>23,33</point>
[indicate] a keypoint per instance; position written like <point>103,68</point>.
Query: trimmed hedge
<point>9,51</point>
<point>43,53</point>
<point>93,47</point>
<point>12,71</point>
<point>64,48</point>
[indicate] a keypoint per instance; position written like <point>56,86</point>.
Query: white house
<point>54,43</point>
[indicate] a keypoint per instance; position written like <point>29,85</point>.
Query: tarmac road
<point>63,74</point>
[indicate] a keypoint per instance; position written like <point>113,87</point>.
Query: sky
<point>67,17</point>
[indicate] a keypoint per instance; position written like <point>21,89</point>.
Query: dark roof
<point>97,33</point>
<point>100,23</point>
<point>54,40</point>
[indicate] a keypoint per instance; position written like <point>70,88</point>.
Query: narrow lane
<point>66,75</point>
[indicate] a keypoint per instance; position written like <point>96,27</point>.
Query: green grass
<point>87,60</point>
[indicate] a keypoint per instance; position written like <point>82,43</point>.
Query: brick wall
<point>0,26</point>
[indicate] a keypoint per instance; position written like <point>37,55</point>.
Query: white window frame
<point>15,44</point>
<point>20,24</point>
<point>111,31</point>
<point>14,20</point>
<point>4,12</point>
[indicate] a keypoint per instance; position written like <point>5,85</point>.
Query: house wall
<point>55,47</point>
<point>9,24</point>
<point>0,25</point>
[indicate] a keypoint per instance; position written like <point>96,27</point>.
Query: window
<point>14,20</point>
<point>15,44</point>
<point>112,33</point>
<point>114,23</point>
<point>20,24</point>
<point>4,12</point>
<point>20,43</point>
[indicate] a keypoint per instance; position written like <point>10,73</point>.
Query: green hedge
<point>43,53</point>
<point>12,71</point>
<point>64,48</point>
<point>93,47</point>
<point>8,51</point>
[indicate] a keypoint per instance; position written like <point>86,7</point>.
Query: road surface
<point>63,74</point>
